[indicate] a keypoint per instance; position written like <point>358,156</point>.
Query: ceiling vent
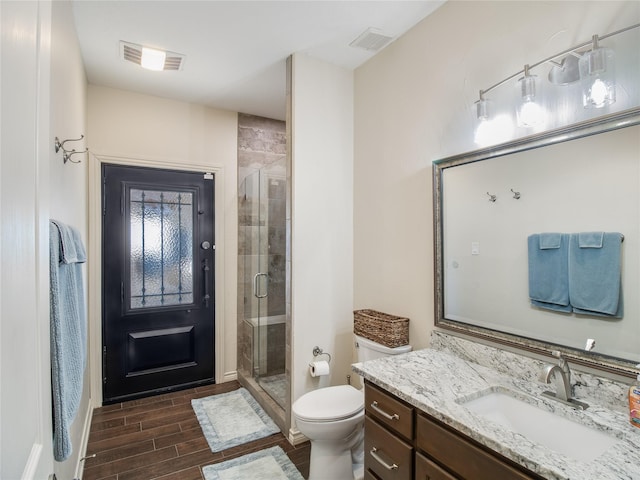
<point>372,40</point>
<point>132,52</point>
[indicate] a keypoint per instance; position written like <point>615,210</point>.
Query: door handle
<point>205,271</point>
<point>256,290</point>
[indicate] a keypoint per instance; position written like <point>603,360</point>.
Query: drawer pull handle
<point>381,461</point>
<point>386,415</point>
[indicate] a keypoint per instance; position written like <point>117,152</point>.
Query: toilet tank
<point>370,350</point>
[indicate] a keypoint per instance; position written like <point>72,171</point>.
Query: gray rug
<point>233,418</point>
<point>269,464</point>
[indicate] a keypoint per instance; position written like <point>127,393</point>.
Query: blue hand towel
<point>550,240</point>
<point>548,271</point>
<point>595,272</point>
<point>590,239</point>
<point>68,331</point>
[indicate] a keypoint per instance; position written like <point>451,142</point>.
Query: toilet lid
<point>330,403</point>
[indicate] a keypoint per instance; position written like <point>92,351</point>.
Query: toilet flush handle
<point>386,415</point>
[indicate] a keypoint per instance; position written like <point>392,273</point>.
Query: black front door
<point>157,277</point>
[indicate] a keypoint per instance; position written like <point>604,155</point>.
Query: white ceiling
<point>235,50</point>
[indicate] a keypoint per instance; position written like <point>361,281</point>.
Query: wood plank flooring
<point>160,438</point>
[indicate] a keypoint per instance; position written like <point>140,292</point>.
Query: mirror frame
<point>587,128</point>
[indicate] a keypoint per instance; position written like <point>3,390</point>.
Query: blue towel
<point>590,239</point>
<point>550,240</point>
<point>68,331</point>
<point>71,247</point>
<point>595,272</point>
<point>548,271</point>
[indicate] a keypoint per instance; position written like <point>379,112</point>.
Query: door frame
<point>95,259</point>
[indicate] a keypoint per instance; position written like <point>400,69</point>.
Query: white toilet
<point>332,419</point>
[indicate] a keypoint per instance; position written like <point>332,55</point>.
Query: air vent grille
<point>371,40</point>
<point>173,62</point>
<point>132,52</point>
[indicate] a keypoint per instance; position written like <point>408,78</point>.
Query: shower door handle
<point>256,289</point>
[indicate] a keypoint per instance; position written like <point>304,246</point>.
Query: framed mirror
<point>487,203</point>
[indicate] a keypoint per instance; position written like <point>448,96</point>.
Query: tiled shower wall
<point>262,146</point>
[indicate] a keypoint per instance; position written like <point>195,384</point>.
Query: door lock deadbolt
<point>205,245</point>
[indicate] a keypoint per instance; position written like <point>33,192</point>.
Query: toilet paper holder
<point>317,351</point>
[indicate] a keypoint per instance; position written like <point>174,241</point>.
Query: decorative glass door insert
<point>161,248</point>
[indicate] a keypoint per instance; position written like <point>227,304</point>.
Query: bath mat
<point>233,418</point>
<point>269,464</point>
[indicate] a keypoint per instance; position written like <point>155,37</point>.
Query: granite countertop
<point>436,381</point>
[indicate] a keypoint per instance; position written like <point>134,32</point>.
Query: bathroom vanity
<point>422,421</point>
<point>402,443</point>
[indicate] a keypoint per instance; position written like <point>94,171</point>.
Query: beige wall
<point>145,130</point>
<point>414,104</point>
<point>322,220</point>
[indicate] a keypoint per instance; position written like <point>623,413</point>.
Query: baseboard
<point>295,437</point>
<point>31,466</point>
<point>84,441</point>
<point>229,377</point>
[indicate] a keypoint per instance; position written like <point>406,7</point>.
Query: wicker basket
<point>388,330</point>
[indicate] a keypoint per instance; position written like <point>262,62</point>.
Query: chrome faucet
<point>561,375</point>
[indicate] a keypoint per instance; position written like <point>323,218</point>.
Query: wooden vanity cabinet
<point>388,436</point>
<point>462,456</point>
<point>402,443</point>
<point>429,470</point>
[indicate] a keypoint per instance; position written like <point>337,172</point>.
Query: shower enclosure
<point>262,281</point>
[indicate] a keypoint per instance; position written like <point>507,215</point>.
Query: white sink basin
<point>540,426</point>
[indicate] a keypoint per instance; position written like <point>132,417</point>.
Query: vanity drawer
<point>462,457</point>
<point>389,411</point>
<point>369,476</point>
<point>386,455</point>
<point>427,470</point>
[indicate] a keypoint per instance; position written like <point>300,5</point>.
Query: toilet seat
<point>329,404</point>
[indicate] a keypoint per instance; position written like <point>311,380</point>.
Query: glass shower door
<point>255,278</point>
<point>265,264</point>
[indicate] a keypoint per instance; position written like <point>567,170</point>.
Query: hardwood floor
<point>160,438</point>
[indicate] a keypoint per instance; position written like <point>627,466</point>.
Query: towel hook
<point>67,154</point>
<point>516,195</point>
<point>492,198</point>
<point>317,351</point>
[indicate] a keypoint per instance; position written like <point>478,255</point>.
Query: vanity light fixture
<point>596,73</point>
<point>597,76</point>
<point>530,112</point>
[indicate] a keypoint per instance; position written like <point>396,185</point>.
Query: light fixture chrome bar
<point>560,54</point>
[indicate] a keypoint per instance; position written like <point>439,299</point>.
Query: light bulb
<point>530,114</point>
<point>598,92</point>
<point>494,131</point>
